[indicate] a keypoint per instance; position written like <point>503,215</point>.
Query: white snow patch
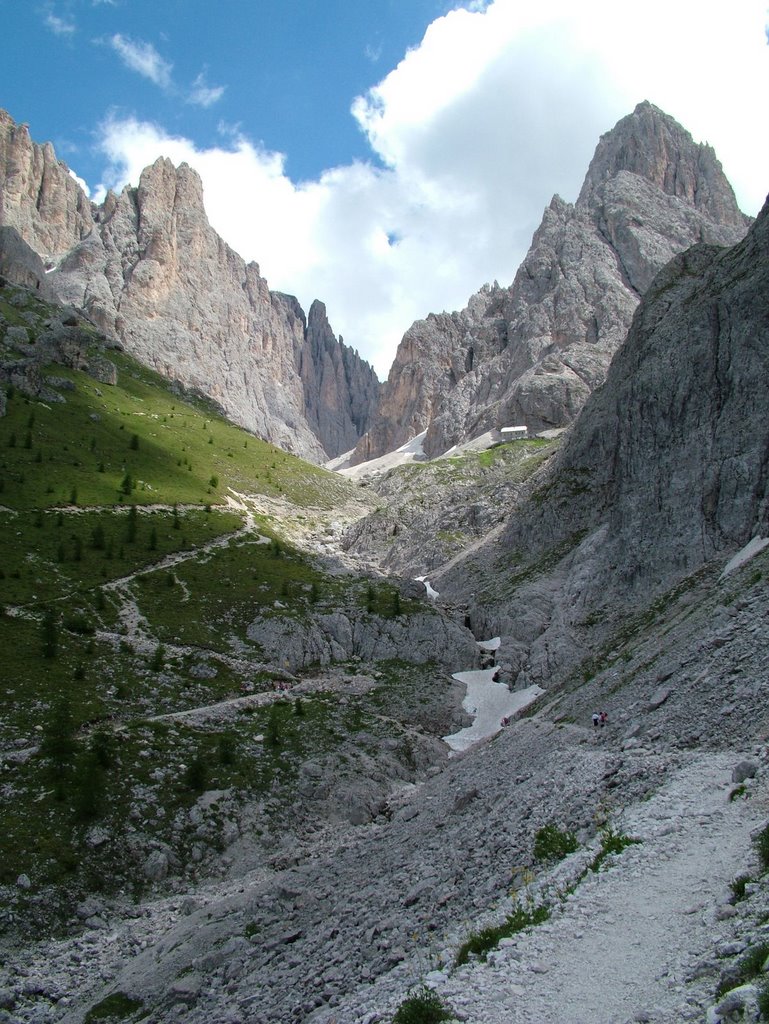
<point>432,594</point>
<point>490,645</point>
<point>751,549</point>
<point>411,451</point>
<point>490,702</point>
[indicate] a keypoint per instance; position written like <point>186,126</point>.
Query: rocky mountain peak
<point>149,270</point>
<point>533,352</point>
<point>654,146</point>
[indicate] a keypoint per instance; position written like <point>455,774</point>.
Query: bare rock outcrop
<point>532,353</point>
<point>149,270</point>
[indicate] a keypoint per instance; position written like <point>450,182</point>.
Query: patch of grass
<point>422,1007</point>
<point>612,844</point>
<point>737,885</point>
<point>738,792</point>
<point>763,1000</point>
<point>552,843</point>
<point>480,943</point>
<point>117,1006</point>
<point>747,968</point>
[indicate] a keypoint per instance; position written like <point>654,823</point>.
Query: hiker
<point>604,719</point>
<point>596,719</point>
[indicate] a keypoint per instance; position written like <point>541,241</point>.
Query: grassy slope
<point>113,506</point>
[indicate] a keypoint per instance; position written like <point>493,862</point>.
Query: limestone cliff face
<point>151,272</point>
<point>665,469</point>
<point>533,352</point>
<point>38,195</point>
<point>340,390</point>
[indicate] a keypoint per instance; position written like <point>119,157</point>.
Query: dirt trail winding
<point>628,938</point>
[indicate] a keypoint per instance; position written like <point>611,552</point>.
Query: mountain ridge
<point>531,353</point>
<point>147,268</point>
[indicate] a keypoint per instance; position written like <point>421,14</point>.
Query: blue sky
<point>284,71</point>
<point>385,156</point>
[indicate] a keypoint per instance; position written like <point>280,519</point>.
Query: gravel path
<point>628,938</point>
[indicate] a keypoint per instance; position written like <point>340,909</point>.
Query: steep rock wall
<point>533,352</point>
<point>151,272</point>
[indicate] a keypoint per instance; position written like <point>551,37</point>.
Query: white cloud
<point>499,107</point>
<point>60,26</point>
<point>204,95</point>
<point>143,58</point>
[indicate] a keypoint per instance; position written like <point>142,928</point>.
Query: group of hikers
<point>599,718</point>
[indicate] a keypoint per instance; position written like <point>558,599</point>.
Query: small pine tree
<point>50,634</point>
<point>58,744</point>
<point>158,659</point>
<point>73,496</point>
<point>126,484</point>
<point>196,775</point>
<point>153,544</point>
<point>272,732</point>
<point>132,524</point>
<point>226,749</point>
<point>134,442</point>
<point>89,788</point>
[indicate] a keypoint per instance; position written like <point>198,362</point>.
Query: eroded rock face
<point>533,352</point>
<point>151,272</point>
<point>340,390</point>
<point>665,469</point>
<point>38,195</point>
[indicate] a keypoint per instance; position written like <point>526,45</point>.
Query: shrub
<point>552,843</point>
<point>78,623</point>
<point>58,744</point>
<point>227,748</point>
<point>423,1007</point>
<point>747,968</point>
<point>763,1000</point>
<point>762,847</point>
<point>50,635</point>
<point>612,842</point>
<point>117,1006</point>
<point>487,939</point>
<point>196,775</point>
<point>158,658</point>
<point>737,885</point>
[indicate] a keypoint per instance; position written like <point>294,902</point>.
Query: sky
<point>387,157</point>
